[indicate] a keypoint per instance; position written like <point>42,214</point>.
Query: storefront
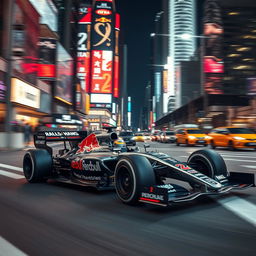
<point>98,117</point>
<point>29,103</point>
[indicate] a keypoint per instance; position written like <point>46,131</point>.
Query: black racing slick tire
<point>132,173</point>
<point>208,162</point>
<point>37,165</point>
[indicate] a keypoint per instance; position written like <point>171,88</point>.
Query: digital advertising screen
<point>47,58</point>
<point>102,62</point>
<point>103,47</point>
<point>103,26</point>
<point>25,37</point>
<point>84,47</point>
<point>64,72</point>
<point>212,47</point>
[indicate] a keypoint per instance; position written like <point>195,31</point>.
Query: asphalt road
<point>59,219</point>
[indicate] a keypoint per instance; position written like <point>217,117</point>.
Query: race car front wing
<point>169,194</point>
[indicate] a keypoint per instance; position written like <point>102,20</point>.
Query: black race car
<point>104,161</point>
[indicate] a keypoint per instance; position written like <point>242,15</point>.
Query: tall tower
<point>181,21</point>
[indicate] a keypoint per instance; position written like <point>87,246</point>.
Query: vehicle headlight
<point>208,137</point>
<point>191,137</point>
<point>133,138</point>
<point>238,138</point>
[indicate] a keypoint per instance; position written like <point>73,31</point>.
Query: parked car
<point>191,137</point>
<point>155,135</point>
<point>168,137</point>
<point>233,137</point>
<point>128,138</point>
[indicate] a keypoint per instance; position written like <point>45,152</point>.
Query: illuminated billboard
<point>25,37</point>
<point>213,55</point>
<point>103,47</point>
<point>101,98</point>
<point>47,58</point>
<point>84,47</point>
<point>64,72</point>
<point>102,62</point>
<point>116,58</point>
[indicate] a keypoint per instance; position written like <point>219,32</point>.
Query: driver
<point>119,144</point>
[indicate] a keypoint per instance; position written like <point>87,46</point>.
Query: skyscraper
<point>181,22</point>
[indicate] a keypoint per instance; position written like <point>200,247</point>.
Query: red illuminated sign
<point>103,12</point>
<point>116,77</point>
<point>117,24</point>
<point>102,62</point>
<point>46,70</point>
<point>211,65</point>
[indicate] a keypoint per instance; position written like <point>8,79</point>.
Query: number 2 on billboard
<point>106,86</point>
<point>82,41</point>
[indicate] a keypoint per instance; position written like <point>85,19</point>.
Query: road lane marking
<point>7,249</point>
<point>249,166</point>
<point>11,167</point>
<point>11,175</point>
<point>238,156</point>
<point>240,160</point>
<point>241,208</point>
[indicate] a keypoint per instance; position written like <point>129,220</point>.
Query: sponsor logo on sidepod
<point>81,165</point>
<point>152,196</point>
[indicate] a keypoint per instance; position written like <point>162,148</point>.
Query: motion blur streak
<point>241,208</point>
<point>11,175</point>
<point>11,167</point>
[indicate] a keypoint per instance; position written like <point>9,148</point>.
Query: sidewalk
<point>29,146</point>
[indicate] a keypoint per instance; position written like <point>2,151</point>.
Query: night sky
<point>137,22</point>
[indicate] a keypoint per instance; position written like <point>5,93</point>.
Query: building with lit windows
<point>239,49</point>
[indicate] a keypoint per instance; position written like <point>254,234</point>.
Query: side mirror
<point>146,145</point>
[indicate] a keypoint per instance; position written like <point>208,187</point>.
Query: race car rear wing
<point>41,138</point>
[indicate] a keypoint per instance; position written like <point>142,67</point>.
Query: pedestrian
<point>27,133</point>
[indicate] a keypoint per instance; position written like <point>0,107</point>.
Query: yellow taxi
<point>139,137</point>
<point>191,137</point>
<point>233,137</point>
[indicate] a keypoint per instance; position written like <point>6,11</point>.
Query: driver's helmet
<point>119,144</point>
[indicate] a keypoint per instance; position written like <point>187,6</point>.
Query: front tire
<point>208,162</point>
<point>132,173</point>
<point>37,165</point>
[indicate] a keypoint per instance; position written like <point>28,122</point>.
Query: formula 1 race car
<point>103,161</point>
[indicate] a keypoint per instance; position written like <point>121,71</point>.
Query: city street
<point>61,219</point>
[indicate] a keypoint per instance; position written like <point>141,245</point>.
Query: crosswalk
<point>11,171</point>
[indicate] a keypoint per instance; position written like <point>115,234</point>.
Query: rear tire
<point>37,165</point>
<point>132,173</point>
<point>177,143</point>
